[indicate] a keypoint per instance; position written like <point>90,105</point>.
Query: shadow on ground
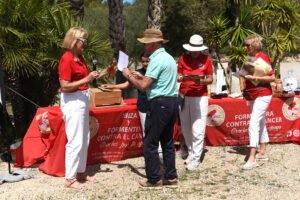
<point>96,168</point>
<point>241,150</point>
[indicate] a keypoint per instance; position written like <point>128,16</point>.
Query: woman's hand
<point>68,86</point>
<point>263,79</point>
<point>92,75</point>
<point>250,77</point>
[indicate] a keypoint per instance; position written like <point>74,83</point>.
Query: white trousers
<point>142,120</point>
<point>257,125</point>
<point>75,109</point>
<point>193,124</point>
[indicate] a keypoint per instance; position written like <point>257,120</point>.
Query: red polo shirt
<point>187,66</point>
<point>73,69</point>
<point>263,89</point>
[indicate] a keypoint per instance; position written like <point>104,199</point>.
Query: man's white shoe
<point>261,157</point>
<point>250,165</point>
<point>193,165</point>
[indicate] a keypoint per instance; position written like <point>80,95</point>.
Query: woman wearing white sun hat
<point>194,73</point>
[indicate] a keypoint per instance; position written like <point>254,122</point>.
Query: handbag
<point>250,94</point>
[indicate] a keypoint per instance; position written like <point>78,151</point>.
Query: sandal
<point>74,184</point>
<point>85,177</point>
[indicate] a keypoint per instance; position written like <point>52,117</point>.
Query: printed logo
<point>289,134</point>
<point>43,123</point>
<point>94,126</point>
<point>291,108</point>
<point>215,115</point>
<point>296,133</point>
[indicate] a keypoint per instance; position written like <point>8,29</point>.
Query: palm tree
<point>278,22</point>
<point>216,31</point>
<point>78,6</point>
<point>20,26</point>
<point>117,34</point>
<point>31,36</point>
<point>116,26</point>
<point>154,14</point>
<point>237,34</point>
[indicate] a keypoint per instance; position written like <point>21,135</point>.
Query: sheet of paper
<point>123,61</point>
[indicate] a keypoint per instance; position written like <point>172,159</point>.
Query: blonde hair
<point>256,41</point>
<point>72,35</point>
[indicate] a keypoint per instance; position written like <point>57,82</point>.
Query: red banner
<point>115,136</point>
<point>116,133</point>
<point>228,121</point>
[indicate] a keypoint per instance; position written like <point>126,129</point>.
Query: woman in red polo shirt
<point>74,77</point>
<point>260,96</point>
<point>193,114</point>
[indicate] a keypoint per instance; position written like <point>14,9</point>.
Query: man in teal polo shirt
<point>160,81</point>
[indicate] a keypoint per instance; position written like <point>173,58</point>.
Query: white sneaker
<point>193,165</point>
<point>250,165</point>
<point>188,160</point>
<point>261,157</point>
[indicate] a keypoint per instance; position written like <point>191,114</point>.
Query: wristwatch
<point>128,76</point>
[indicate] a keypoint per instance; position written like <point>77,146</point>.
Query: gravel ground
<point>218,177</point>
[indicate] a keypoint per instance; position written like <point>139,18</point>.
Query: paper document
<point>123,61</point>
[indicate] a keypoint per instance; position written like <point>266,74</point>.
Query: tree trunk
<point>116,26</point>
<point>154,14</point>
<point>117,34</point>
<point>78,6</point>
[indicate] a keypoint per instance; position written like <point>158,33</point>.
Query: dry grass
<point>219,177</point>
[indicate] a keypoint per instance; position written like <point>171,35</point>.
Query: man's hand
<point>126,72</point>
<point>137,75</point>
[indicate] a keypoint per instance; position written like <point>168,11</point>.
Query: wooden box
<point>104,99</point>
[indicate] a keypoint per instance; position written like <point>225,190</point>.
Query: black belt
<point>163,98</point>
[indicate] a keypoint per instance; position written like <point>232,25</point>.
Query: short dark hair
<point>145,55</point>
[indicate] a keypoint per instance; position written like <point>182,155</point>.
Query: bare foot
<point>85,177</point>
<point>73,183</point>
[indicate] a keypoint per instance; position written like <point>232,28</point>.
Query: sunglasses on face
<point>82,40</point>
<point>247,45</point>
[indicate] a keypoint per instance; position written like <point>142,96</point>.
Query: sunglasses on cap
<point>82,40</point>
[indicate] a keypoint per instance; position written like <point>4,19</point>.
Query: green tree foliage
<point>32,32</point>
<point>237,34</point>
<point>215,33</point>
<point>135,23</point>
<point>183,18</point>
<point>97,19</point>
<point>278,22</point>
